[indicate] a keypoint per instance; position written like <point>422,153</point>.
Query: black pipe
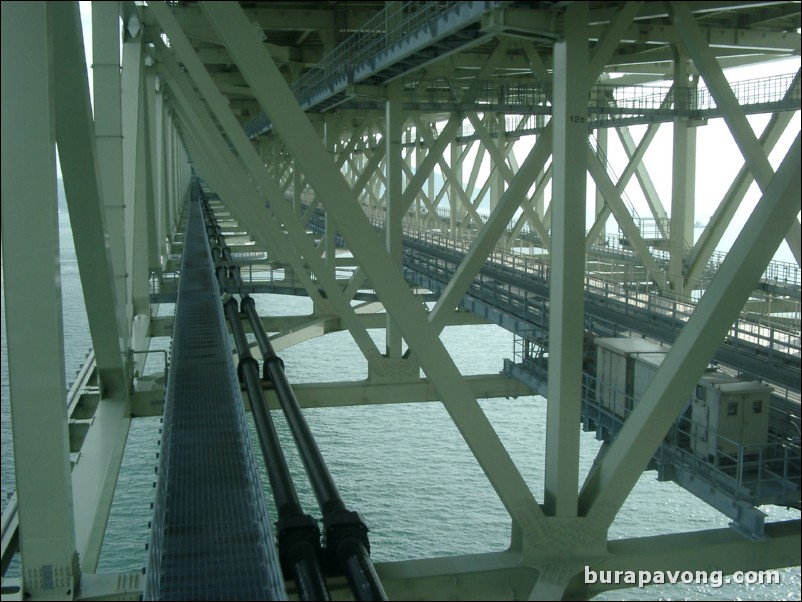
<point>356,563</point>
<point>248,307</point>
<point>347,541</point>
<point>346,534</point>
<point>298,533</point>
<point>323,485</point>
<point>278,472</point>
<point>220,274</point>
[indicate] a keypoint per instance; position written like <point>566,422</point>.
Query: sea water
<point>404,467</point>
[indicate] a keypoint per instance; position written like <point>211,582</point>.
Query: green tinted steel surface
<point>211,535</point>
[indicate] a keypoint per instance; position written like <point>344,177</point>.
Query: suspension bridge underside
<point>407,166</point>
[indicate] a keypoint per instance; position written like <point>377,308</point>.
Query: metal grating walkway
<point>211,537</point>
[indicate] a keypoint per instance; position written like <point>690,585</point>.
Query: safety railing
<point>530,97</point>
<point>759,91</point>
<point>754,473</point>
<point>617,282</point>
<point>424,226</point>
<point>626,288</point>
<point>458,233</point>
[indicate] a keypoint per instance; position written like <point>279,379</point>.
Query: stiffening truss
<point>384,161</point>
<point>375,167</point>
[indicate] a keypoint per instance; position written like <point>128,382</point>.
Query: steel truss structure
<point>380,121</point>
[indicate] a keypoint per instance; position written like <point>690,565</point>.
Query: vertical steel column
<point>157,136</point>
<point>454,186</point>
<point>175,173</point>
<point>33,305</point>
<point>130,85</point>
<point>419,156</point>
<point>432,218</point>
<point>149,112</point>
<point>175,170</point>
<point>297,201</point>
<point>146,233</point>
<point>498,183</point>
<point>683,175</point>
<point>376,182</point>
<point>296,188</point>
<point>169,214</point>
<point>602,139</point>
<point>76,141</point>
<point>107,110</point>
<point>543,177</point>
<point>166,179</point>
<point>393,202</point>
<point>142,209</point>
<point>95,472</point>
<point>330,135</point>
<point>567,264</point>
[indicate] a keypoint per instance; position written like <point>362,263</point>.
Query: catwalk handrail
<point>529,96</point>
<point>608,104</point>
